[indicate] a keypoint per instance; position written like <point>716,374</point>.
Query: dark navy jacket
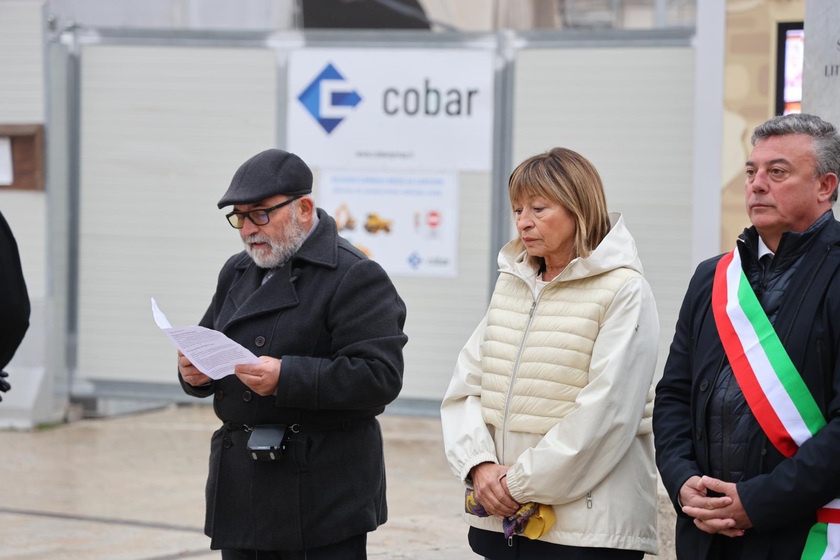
<point>781,496</point>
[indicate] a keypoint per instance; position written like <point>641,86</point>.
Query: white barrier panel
<point>164,128</point>
<point>163,131</point>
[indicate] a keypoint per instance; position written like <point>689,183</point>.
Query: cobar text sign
<point>429,109</point>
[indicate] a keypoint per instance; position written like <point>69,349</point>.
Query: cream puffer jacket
<point>559,387</point>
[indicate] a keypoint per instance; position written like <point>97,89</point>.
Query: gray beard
<point>281,250</point>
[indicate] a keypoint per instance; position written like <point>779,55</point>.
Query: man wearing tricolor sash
<point>747,415</point>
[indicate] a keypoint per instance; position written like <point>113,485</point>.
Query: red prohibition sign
<point>433,219</point>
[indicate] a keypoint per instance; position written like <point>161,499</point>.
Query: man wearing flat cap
<point>327,325</point>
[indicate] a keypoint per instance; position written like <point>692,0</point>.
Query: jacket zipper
<point>516,363</point>
<point>513,380</point>
<point>706,410</point>
<point>824,376</point>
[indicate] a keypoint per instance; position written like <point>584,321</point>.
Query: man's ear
<point>306,211</point>
<point>828,184</point>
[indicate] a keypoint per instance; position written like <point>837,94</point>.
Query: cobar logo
<point>329,99</point>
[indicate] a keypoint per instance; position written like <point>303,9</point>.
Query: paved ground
<point>132,488</point>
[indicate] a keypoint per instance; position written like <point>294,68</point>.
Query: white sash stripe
<point>833,504</point>
<point>832,551</point>
<point>770,384</point>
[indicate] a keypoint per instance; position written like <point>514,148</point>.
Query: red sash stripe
<point>828,515</point>
<point>760,406</point>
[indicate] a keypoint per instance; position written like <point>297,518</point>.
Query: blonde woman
<point>551,396</point>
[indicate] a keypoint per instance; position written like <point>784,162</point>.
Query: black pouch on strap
<point>266,442</point>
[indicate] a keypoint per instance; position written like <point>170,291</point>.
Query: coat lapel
<point>249,297</point>
<point>322,247</point>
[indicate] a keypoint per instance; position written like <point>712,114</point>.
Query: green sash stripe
<point>817,542</point>
<point>779,359</point>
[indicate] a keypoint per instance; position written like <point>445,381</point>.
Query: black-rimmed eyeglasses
<point>258,217</point>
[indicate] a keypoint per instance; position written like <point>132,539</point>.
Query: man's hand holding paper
<point>204,354</point>
<point>262,378</point>
<point>190,373</point>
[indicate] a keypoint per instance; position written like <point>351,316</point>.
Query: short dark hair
<point>825,142</point>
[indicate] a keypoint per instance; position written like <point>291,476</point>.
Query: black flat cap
<point>267,174</point>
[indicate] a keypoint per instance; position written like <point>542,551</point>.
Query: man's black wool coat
<point>335,320</point>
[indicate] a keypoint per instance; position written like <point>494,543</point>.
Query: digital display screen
<point>789,63</point>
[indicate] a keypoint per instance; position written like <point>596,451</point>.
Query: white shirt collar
<point>763,249</point>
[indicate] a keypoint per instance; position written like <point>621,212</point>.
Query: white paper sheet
<point>210,351</point>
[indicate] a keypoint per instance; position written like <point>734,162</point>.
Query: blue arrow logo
<point>329,99</point>
<point>414,260</point>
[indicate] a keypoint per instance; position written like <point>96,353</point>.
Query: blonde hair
<point>566,177</point>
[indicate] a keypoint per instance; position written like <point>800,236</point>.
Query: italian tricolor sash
<point>773,389</point>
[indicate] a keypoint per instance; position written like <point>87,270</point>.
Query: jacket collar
<point>321,248</point>
<point>792,245</point>
<point>249,297</point>
<point>616,250</point>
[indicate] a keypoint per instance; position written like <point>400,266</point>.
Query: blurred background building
<point>438,15</point>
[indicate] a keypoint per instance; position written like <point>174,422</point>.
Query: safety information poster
<point>406,222</point>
